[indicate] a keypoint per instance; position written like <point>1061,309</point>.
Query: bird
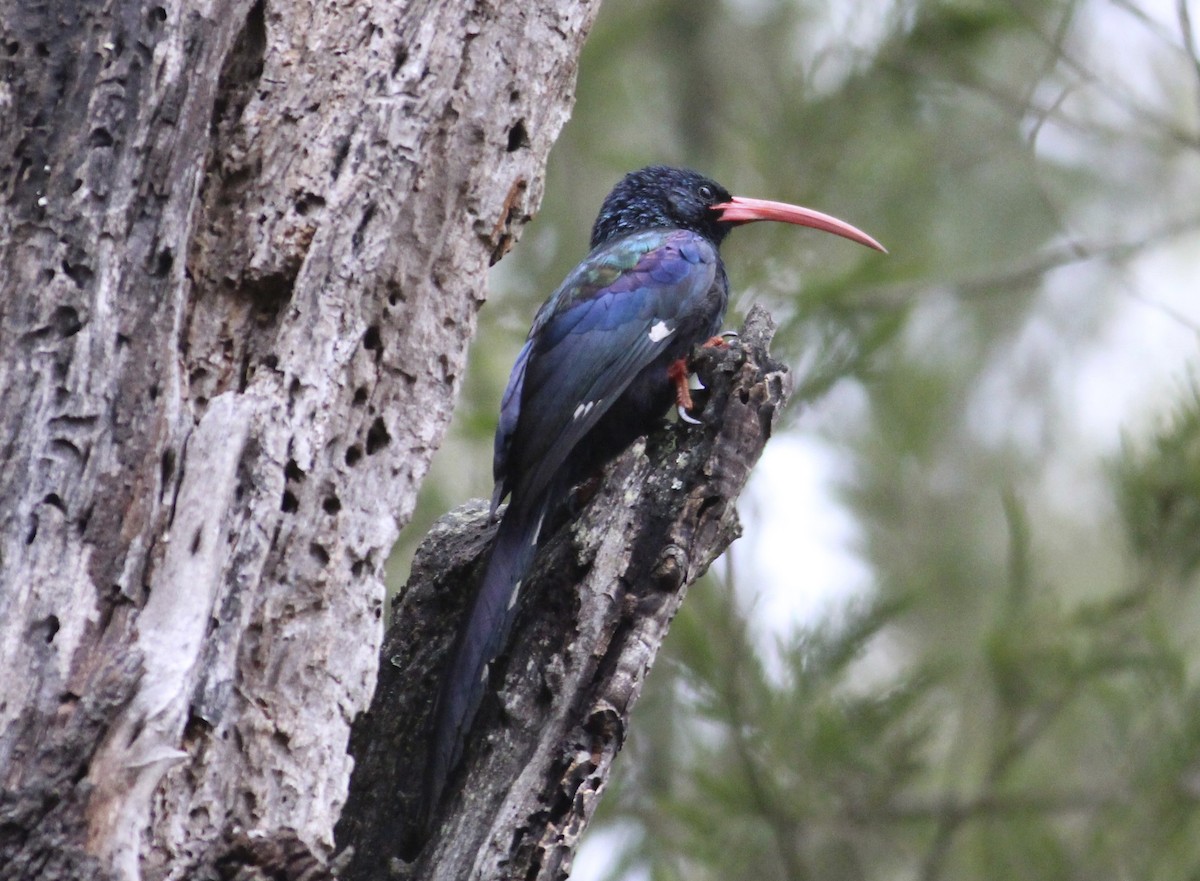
<point>604,360</point>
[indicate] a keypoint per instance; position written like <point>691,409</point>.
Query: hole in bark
<point>397,62</point>
<point>307,202</point>
<point>50,626</point>
<point>371,339</point>
<point>271,294</point>
<point>33,529</point>
<point>195,728</point>
<point>319,553</point>
<point>271,361</point>
<point>292,472</point>
<point>331,505</point>
<point>353,454</point>
<point>360,396</point>
<point>395,294</point>
<point>100,137</point>
<point>339,157</point>
<point>708,505</point>
<point>76,184</point>
<point>290,504</point>
<point>157,15</point>
<point>196,542</point>
<point>166,470</point>
<point>163,262</point>
<point>53,500</point>
<point>84,519</point>
<point>80,273</point>
<point>356,569</point>
<point>377,436</point>
<point>518,137</point>
<point>356,240</point>
<point>514,96</point>
<point>65,321</point>
<point>41,50</point>
<point>12,47</point>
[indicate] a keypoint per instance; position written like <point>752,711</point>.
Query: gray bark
<point>594,612</point>
<point>242,246</point>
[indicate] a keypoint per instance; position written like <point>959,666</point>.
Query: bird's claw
<point>686,416</point>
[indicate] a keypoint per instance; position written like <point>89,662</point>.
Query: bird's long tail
<point>482,638</point>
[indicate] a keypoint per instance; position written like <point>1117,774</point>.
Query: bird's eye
<point>706,193</point>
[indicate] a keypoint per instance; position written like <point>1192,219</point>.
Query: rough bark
<point>594,613</point>
<point>242,245</point>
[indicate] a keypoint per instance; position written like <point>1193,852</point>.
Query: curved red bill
<point>742,210</point>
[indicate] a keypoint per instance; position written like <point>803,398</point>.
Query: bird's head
<point>660,197</point>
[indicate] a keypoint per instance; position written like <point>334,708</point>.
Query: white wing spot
<point>584,409</point>
<point>512,600</point>
<point>659,331</point>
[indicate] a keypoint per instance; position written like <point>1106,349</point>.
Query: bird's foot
<point>681,379</point>
<point>678,374</point>
<point>720,341</point>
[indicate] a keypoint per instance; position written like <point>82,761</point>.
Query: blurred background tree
<point>958,638</point>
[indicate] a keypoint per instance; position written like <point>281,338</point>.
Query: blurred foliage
<point>1016,694</point>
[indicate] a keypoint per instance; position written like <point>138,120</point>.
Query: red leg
<point>678,374</point>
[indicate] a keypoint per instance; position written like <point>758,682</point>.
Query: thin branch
<point>997,805</point>
<point>1184,15</point>
<point>771,808</point>
<point>1161,32</point>
<point>1032,270</point>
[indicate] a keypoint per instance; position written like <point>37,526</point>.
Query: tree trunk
<point>241,251</point>
<point>594,612</point>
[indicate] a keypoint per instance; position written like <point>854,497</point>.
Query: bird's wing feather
<point>617,313</point>
<point>510,409</point>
